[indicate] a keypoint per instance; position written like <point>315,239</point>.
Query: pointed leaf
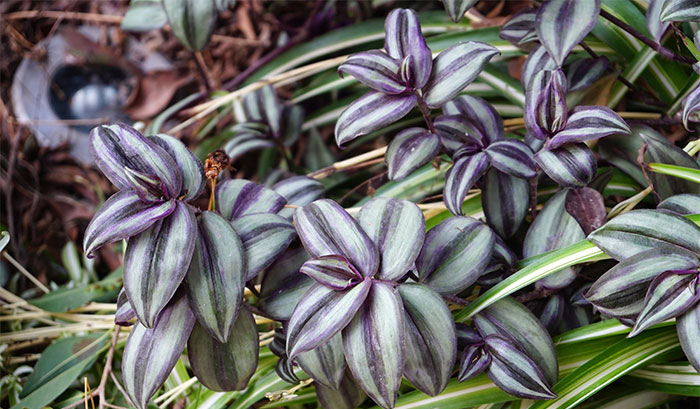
<point>409,150</point>
<point>479,113</point>
<point>228,366</point>
<point>586,205</point>
<point>244,142</point>
<point>125,316</point>
<point>585,72</point>
<point>474,361</point>
<point>505,200</point>
<point>322,313</point>
<point>680,10</point>
<point>562,24</point>
<point>217,275</point>
<point>669,295</point>
<point>520,28</point>
<point>121,216</point>
<point>298,191</point>
<point>265,237</point>
<point>454,254</point>
<point>262,106</point>
<point>326,229</point>
<point>156,262</point>
<point>455,68</point>
<point>397,228</point>
<point>117,147</point>
<point>656,27</point>
<point>191,21</point>
<point>374,344</point>
<point>639,230</point>
<point>620,291</point>
<point>191,168</point>
<point>512,157</point>
<point>514,371</point>
<point>588,123</point>
<point>545,103</point>
<point>145,15</point>
<point>283,285</point>
<point>691,104</point>
<point>326,363</point>
<point>334,272</point>
<point>405,39</point>
<point>683,204</point>
<point>538,60</point>
<point>237,197</point>
<point>461,177</point>
<point>688,327</point>
<point>375,70</point>
<point>456,8</point>
<point>150,354</point>
<point>431,341</point>
<point>572,165</point>
<point>456,133</point>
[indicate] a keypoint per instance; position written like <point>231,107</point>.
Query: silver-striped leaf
<point>584,72</point>
<point>562,24</point>
<point>409,150</point>
<point>375,344</point>
<point>217,274</point>
<point>191,21</point>
<point>150,354</point>
<point>538,60</point>
<point>588,123</point>
<point>505,200</point>
<point>456,8</point>
<point>282,286</point>
<point>546,111</point>
<point>455,68</point>
<point>513,157</point>
<point>461,177</point>
<point>656,27</point>
<point>475,360</point>
<point>371,112</point>
<point>261,106</point>
<point>404,42</point>
<point>688,328</point>
<point>520,29</point>
<point>265,237</point>
<point>456,132</point>
<point>225,366</point>
<point>431,341</point>
<point>680,10</point>
<point>374,69</point>
<point>691,106</point>
<point>156,262</point>
<point>454,255</point>
<point>298,191</point>
<point>238,197</point>
<point>325,363</point>
<point>397,228</point>
<point>683,204</point>
<point>571,165</point>
<point>334,272</point>
<point>121,216</point>
<point>245,142</point>
<point>479,114</point>
<point>193,180</point>
<point>124,315</point>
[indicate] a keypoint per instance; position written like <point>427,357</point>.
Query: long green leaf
<point>692,175</point>
<point>676,377</point>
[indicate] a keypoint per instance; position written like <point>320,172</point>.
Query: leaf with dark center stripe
<point>371,112</point>
<point>261,106</point>
<point>514,371</point>
<point>244,142</point>
<point>538,60</point>
<point>326,363</point>
<point>456,8</point>
<point>656,27</point>
<point>680,10</point>
<point>478,113</point>
<point>217,275</point>
<point>265,237</point>
<point>298,191</point>
<point>322,313</point>
<point>571,165</point>
<point>475,360</point>
<point>670,294</point>
<point>237,197</point>
<point>512,157</point>
<point>588,123</point>
<point>545,103</point>
<point>327,229</point>
<point>553,312</point>
<point>455,68</point>
<point>585,72</point>
<point>117,147</point>
<point>121,216</point>
<point>334,272</point>
<point>189,166</point>
<point>683,204</point>
<point>639,230</point>
<point>520,29</point>
<point>282,285</point>
<point>505,200</point>
<point>409,150</point>
<point>375,344</point>
<point>461,177</point>
<point>586,205</point>
<point>431,341</point>
<point>375,70</point>
<point>228,366</point>
<point>691,106</point>
<point>456,132</point>
<point>156,262</point>
<point>124,315</point>
<point>621,290</point>
<point>397,228</point>
<point>454,254</point>
<point>562,24</point>
<point>405,39</point>
<point>191,21</point>
<point>151,354</point>
<point>688,328</point>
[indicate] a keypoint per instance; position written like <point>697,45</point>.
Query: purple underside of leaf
<point>375,70</point>
<point>513,157</point>
<point>589,123</point>
<point>474,362</point>
<point>478,113</point>
<point>411,149</point>
<point>123,215</point>
<point>325,228</point>
<point>562,24</point>
<point>405,39</point>
<point>572,165</point>
<point>334,272</point>
<point>586,205</point>
<point>237,197</point>
<point>461,177</point>
<point>371,112</point>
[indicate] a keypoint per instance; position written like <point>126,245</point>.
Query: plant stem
<point>661,50</point>
<point>426,114</point>
<point>202,70</point>
<point>107,368</point>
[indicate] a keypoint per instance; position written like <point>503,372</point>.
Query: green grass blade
<point>692,175</point>
<point>679,378</point>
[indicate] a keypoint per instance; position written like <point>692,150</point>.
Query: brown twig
<point>202,70</point>
<point>68,15</point>
<point>108,368</point>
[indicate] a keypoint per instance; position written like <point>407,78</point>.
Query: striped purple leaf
<point>325,228</point>
<point>245,142</point>
<point>190,167</point>
<point>148,187</point>
<point>475,360</point>
<point>282,286</point>
<point>217,274</point>
<point>124,315</point>
<point>397,228</point>
<point>298,191</point>
<point>265,237</point>
<point>150,354</point>
<point>688,328</point>
<point>322,313</point>
<point>461,177</point>
<point>405,39</point>
<point>545,103</point>
<point>454,254</point>
<point>479,114</point>
<point>512,157</point>
<point>562,24</point>
<point>326,363</point>
<point>505,200</point>
<point>456,8</point>
<point>237,197</point>
<point>119,146</point>
<point>553,312</point>
<point>156,262</point>
<point>520,29</point>
<point>334,272</point>
<point>456,132</point>
<point>409,150</point>
<point>121,216</point>
<point>538,60</point>
<point>375,344</point>
<point>261,106</point>
<point>683,204</point>
<point>691,105</point>
<point>584,72</point>
<point>680,10</point>
<point>572,165</point>
<point>455,68</point>
<point>656,27</point>
<point>588,123</point>
<point>374,69</point>
<point>587,206</point>
<point>371,112</point>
